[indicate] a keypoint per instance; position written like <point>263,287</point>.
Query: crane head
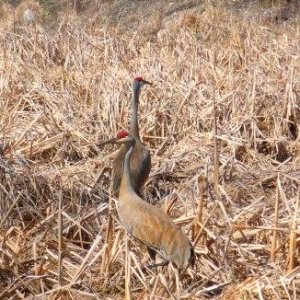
<point>138,82</point>
<point>123,137</point>
<point>122,134</point>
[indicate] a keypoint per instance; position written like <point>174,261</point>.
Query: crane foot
<point>161,264</point>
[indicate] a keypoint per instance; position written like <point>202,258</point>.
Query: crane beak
<point>147,82</point>
<point>126,140</point>
<point>111,141</point>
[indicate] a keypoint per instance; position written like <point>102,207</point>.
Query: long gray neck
<point>126,178</point>
<point>134,127</point>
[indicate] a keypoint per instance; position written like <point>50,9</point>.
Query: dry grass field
<point>65,87</point>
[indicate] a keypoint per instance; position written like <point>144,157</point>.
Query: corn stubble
<point>64,91</point>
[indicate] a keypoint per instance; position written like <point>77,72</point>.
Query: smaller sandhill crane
<point>140,163</point>
<point>147,223</point>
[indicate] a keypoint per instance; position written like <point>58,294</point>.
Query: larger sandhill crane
<point>147,223</point>
<point>140,163</point>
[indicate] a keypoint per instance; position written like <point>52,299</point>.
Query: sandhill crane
<point>140,163</point>
<point>147,223</point>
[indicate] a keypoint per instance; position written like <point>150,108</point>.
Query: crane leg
<point>152,253</point>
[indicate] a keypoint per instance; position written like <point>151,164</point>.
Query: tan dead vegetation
<point>64,91</point>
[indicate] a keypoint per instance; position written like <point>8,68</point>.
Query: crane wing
<point>148,224</point>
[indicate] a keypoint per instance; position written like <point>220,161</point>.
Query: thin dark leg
<point>152,253</point>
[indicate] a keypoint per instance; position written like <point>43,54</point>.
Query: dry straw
<point>65,89</point>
